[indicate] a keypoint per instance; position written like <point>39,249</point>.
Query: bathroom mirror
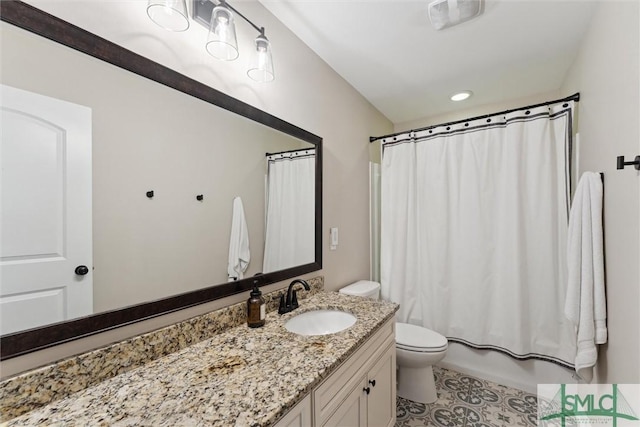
<point>169,157</point>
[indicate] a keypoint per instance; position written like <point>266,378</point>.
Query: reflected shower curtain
<point>474,225</point>
<point>290,217</point>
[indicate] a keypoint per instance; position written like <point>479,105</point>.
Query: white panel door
<point>45,210</point>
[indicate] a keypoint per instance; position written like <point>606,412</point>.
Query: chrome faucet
<point>291,301</point>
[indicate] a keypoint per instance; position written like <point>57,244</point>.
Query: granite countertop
<point>244,376</point>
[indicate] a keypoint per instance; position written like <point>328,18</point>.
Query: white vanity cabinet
<point>299,416</point>
<point>362,391</point>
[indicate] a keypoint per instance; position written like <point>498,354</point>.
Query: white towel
<point>585,305</point>
<point>239,255</point>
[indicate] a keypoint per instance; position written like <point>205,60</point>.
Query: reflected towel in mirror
<point>239,254</point>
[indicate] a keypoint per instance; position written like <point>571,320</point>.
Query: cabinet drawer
<point>328,396</point>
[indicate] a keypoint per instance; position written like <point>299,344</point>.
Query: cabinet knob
<point>372,382</point>
<point>367,389</point>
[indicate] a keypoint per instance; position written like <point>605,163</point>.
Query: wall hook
<point>635,163</point>
<point>199,197</point>
<point>150,194</point>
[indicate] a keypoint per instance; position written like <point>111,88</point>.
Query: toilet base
<point>417,384</point>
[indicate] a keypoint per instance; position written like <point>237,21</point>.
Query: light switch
<point>333,233</point>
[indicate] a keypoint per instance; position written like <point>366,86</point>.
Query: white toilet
<point>417,350</point>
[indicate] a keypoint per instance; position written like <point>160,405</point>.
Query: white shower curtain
<point>474,226</point>
<point>290,218</point>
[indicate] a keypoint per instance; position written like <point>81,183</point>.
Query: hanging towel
<point>585,304</point>
<point>239,255</point>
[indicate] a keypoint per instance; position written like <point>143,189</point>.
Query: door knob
<point>81,270</point>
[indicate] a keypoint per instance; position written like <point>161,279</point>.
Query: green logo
<point>591,404</point>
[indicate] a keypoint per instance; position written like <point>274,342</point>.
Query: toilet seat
<point>418,339</point>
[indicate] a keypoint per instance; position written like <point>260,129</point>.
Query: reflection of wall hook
<point>199,197</point>
<point>150,194</point>
<point>636,163</point>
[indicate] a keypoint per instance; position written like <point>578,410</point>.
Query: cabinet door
<point>381,401</point>
<point>299,416</point>
<point>353,410</point>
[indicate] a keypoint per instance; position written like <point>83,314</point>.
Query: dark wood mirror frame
<point>43,24</point>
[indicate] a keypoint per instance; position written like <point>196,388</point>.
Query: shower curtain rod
<point>289,151</point>
<point>574,97</point>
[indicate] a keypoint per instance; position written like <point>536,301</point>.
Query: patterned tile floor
<point>466,401</point>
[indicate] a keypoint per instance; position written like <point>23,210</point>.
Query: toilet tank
<point>363,288</point>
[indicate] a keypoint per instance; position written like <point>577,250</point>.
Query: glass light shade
<point>261,66</point>
<point>169,14</point>
<point>222,43</point>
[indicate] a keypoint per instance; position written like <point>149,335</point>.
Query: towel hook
<point>635,163</point>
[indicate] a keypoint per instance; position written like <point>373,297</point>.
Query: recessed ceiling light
<point>461,96</point>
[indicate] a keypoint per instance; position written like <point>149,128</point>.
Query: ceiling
<point>390,53</point>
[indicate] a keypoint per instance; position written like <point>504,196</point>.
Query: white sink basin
<point>320,322</point>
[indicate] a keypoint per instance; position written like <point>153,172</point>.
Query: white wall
<point>306,92</point>
<point>607,74</point>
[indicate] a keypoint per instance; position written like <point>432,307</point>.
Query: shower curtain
<point>290,210</point>
<point>473,230</point>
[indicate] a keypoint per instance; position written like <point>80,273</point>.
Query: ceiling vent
<point>447,13</point>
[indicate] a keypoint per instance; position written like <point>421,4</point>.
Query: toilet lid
<point>361,288</point>
<point>417,338</point>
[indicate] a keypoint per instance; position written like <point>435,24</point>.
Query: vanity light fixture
<point>221,43</point>
<point>169,14</point>
<point>461,96</point>
<point>261,66</point>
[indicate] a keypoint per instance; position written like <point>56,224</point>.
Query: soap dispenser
<point>256,309</point>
